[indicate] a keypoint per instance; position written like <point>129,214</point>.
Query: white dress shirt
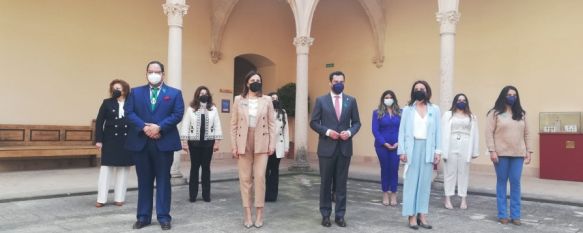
<point>420,126</point>
<point>120,113</point>
<point>333,96</point>
<point>253,108</point>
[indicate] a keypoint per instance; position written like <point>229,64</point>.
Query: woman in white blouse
<point>201,134</point>
<point>281,150</point>
<point>253,140</point>
<point>459,146</point>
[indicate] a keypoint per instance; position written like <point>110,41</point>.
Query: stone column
<point>175,10</point>
<point>447,16</point>
<point>302,44</point>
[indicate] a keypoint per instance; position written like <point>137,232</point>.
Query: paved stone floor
<point>295,211</point>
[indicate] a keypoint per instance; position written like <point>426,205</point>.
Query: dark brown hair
<point>427,92</point>
<point>336,73</point>
<point>124,86</point>
<point>466,110</point>
<point>157,63</point>
<point>500,104</point>
<point>280,111</point>
<point>245,88</point>
<point>195,104</point>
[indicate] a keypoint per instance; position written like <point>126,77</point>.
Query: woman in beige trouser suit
<point>253,139</point>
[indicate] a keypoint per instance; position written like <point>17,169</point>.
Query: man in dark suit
<point>153,111</point>
<point>335,118</point>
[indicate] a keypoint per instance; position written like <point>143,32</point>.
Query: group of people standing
<point>421,137</point>
<point>139,127</point>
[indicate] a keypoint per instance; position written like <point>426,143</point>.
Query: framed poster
<point>225,106</point>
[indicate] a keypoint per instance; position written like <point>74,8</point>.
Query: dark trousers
<point>152,164</point>
<point>200,156</point>
<point>272,178</point>
<point>333,169</point>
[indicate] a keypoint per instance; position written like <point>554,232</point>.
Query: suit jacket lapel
<point>147,98</point>
<point>262,105</point>
<point>115,105</point>
<point>345,103</point>
<point>161,92</point>
<point>245,108</point>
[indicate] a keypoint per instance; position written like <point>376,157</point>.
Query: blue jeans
<point>508,169</point>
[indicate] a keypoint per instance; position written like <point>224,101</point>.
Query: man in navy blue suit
<point>336,120</point>
<point>153,111</point>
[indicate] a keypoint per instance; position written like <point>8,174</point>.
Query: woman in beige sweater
<point>507,138</point>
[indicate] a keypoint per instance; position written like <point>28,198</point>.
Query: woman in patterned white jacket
<point>281,150</point>
<point>201,134</point>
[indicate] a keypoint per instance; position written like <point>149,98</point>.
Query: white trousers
<point>106,175</point>
<point>456,171</point>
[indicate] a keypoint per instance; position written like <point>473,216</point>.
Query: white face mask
<point>154,78</point>
<point>388,102</point>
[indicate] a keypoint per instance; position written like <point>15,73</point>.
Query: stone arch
<point>375,11</point>
<point>250,61</point>
<point>303,15</point>
<point>221,11</point>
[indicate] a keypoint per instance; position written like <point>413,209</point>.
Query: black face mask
<point>255,87</point>
<point>419,95</point>
<point>276,104</point>
<point>203,98</point>
<point>116,94</point>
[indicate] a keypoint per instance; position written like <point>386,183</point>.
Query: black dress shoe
<point>340,222</point>
<point>192,199</point>
<point>166,226</point>
<point>326,222</point>
<point>414,227</point>
<point>140,225</point>
<point>421,224</point>
<point>206,199</point>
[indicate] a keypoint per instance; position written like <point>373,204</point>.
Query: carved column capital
<point>175,12</point>
<point>216,56</point>
<point>303,41</point>
<point>448,21</point>
<point>378,61</point>
<point>303,44</point>
<point>175,9</point>
<point>451,17</point>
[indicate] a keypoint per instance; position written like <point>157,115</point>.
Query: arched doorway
<point>248,62</point>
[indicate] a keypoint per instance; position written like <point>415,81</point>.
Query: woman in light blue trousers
<point>419,147</point>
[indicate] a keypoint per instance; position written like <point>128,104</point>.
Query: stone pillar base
<point>301,163</point>
<point>176,181</point>
<point>300,167</point>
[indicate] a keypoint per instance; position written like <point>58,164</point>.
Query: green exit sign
<point>329,65</point>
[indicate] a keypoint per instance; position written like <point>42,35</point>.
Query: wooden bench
<point>48,141</point>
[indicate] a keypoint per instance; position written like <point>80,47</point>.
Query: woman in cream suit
<point>281,150</point>
<point>459,146</point>
<point>201,134</point>
<point>253,139</point>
